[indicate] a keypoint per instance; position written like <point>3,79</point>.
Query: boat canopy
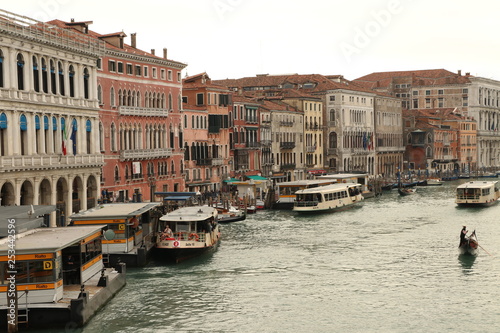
<point>177,196</point>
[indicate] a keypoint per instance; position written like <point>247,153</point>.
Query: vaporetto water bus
<point>285,191</point>
<point>328,198</point>
<point>191,231</point>
<point>478,193</point>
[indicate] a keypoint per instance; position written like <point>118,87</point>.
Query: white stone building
<point>49,149</point>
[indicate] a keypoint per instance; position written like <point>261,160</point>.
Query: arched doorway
<point>91,192</point>
<point>77,194</point>
<point>45,193</point>
<point>7,195</point>
<point>27,194</point>
<point>62,194</point>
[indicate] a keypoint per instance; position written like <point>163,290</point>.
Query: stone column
<point>53,200</point>
<point>69,198</point>
<point>83,205</point>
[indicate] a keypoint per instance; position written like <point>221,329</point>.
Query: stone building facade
<point>140,128</point>
<point>49,117</point>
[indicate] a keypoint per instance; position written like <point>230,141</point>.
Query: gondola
<point>469,245</point>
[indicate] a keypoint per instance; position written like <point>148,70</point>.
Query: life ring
<point>194,236</point>
<point>176,243</point>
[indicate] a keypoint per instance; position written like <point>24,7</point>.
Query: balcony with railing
<point>217,161</point>
<point>137,154</point>
<point>203,161</point>
<point>265,124</point>
<point>332,151</point>
<point>49,34</point>
<point>140,111</point>
<point>10,163</point>
<point>333,123</point>
<point>253,144</point>
<point>310,149</point>
<point>286,123</point>
<point>288,166</point>
<point>287,145</point>
<point>265,143</point>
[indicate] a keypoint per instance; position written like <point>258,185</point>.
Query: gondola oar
<point>480,245</point>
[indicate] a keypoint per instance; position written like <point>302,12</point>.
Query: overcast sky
<point>238,38</point>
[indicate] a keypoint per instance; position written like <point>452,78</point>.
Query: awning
<point>317,172</point>
<point>232,180</point>
<point>257,177</point>
<point>177,198</point>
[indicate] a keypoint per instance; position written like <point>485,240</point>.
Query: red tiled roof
<point>126,48</point>
<point>416,78</point>
<point>298,81</point>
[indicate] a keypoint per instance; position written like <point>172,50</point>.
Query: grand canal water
<point>389,265</point>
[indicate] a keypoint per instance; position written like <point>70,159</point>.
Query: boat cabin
<point>45,259</point>
<point>132,224</point>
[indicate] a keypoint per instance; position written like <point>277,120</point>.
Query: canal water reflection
<point>389,265</point>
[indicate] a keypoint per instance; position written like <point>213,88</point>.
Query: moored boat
<point>478,193</point>
<point>230,214</point>
<point>406,191</point>
<point>434,182</point>
<point>328,198</point>
<point>187,232</point>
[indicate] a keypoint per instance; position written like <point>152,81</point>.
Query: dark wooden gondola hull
<point>469,247</point>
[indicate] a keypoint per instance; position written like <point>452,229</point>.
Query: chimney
<point>459,72</point>
<point>73,20</point>
<point>467,74</point>
<point>165,53</point>
<point>133,40</point>
<point>153,51</point>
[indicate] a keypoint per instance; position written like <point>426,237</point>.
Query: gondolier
<point>463,233</point>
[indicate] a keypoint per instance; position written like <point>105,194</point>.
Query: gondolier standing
<point>463,233</point>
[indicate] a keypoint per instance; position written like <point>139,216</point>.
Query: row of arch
<point>155,100</point>
<point>69,194</point>
<point>132,136</point>
<point>45,134</point>
<point>45,75</point>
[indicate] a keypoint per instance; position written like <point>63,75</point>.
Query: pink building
<point>141,133</point>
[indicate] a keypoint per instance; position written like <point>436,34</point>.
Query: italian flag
<point>66,139</point>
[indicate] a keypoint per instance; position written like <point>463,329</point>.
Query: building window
<point>465,91</point>
<point>120,67</point>
<point>415,92</point>
<point>427,102</point>
<point>415,103</point>
<point>465,101</point>
<point>99,95</point>
<point>86,77</point>
<point>199,99</point>
<point>130,70</point>
<point>179,77</point>
<point>112,97</point>
<point>154,72</point>
<point>440,102</point>
<point>440,92</point>
<point>112,66</point>
<point>146,74</point>
<point>60,72</point>
<point>169,73</point>
<point>71,81</point>
<point>427,92</point>
<point>138,70</point>
<point>162,74</point>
